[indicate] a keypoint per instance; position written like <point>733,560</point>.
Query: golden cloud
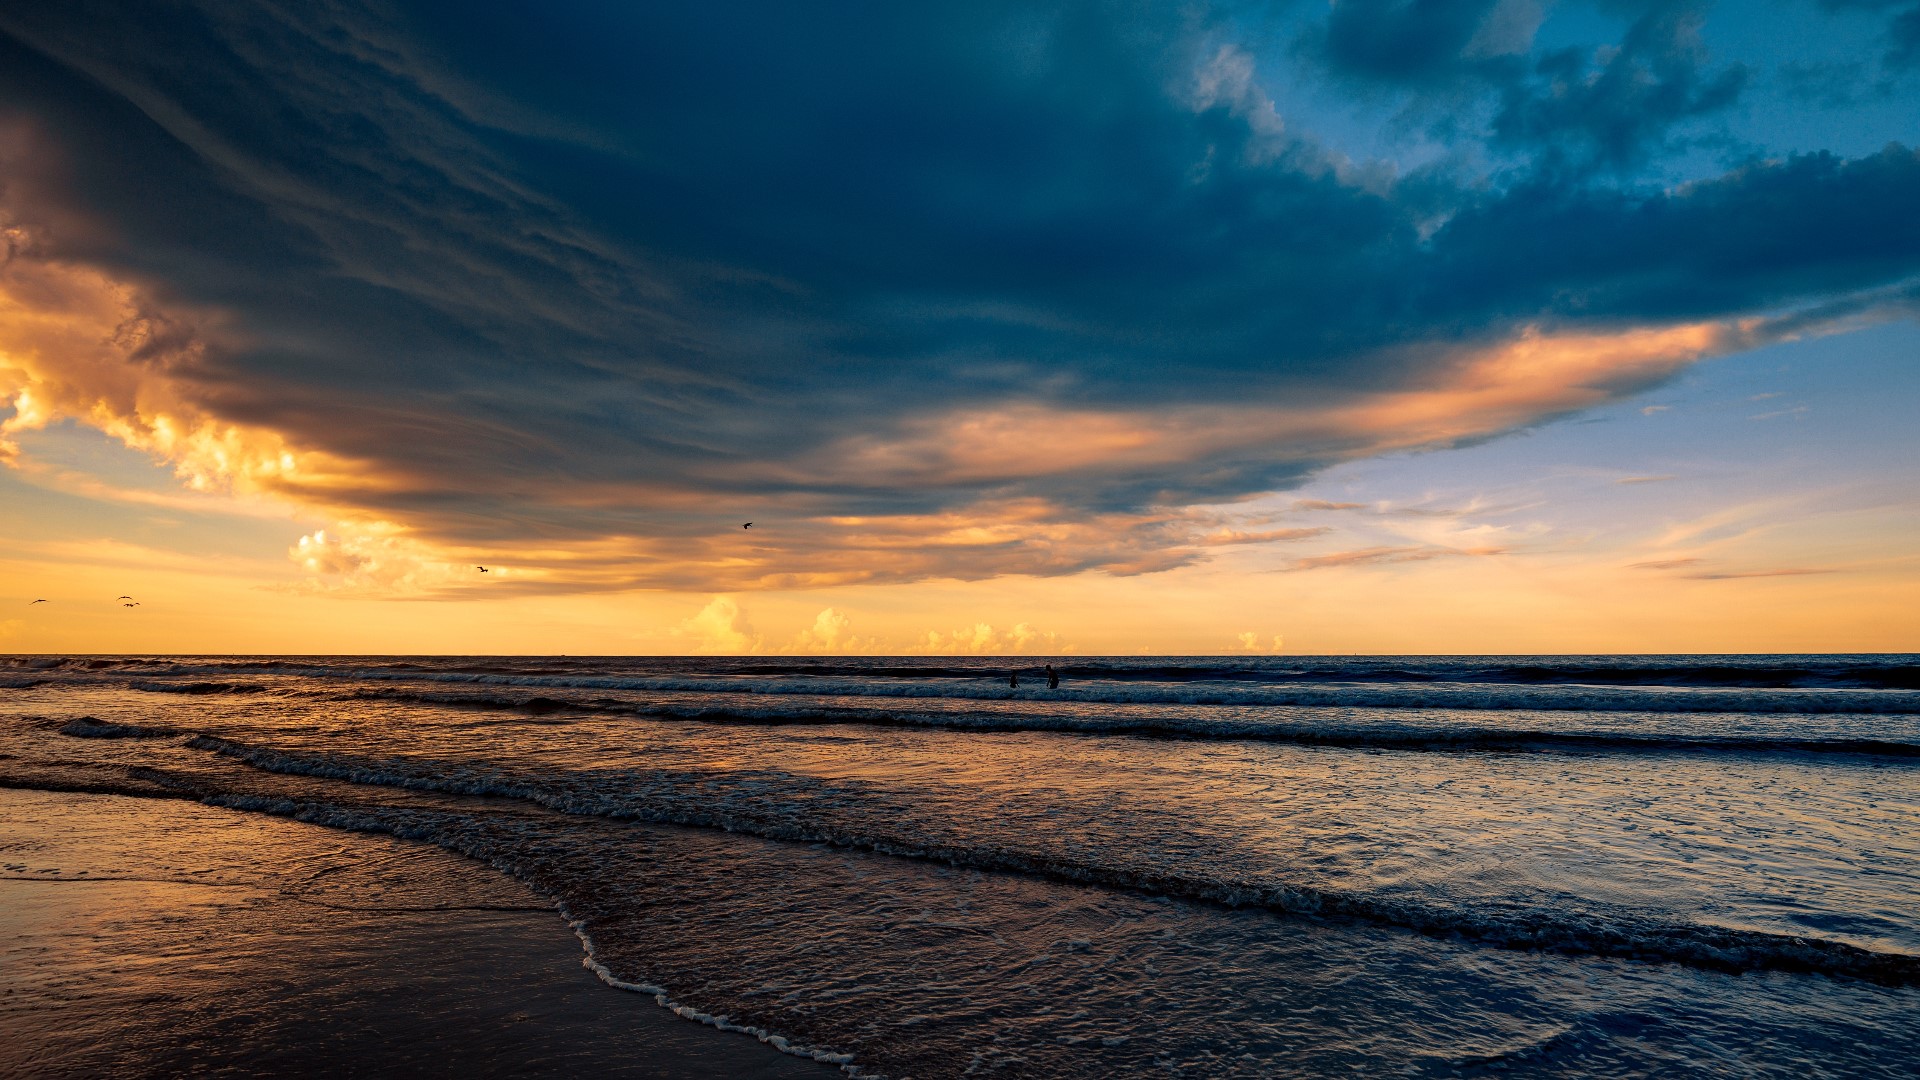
<point>1475,393</point>
<point>79,345</point>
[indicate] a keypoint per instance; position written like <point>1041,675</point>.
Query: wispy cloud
<point>1366,556</point>
<point>1726,523</point>
<point>1731,575</point>
<point>1269,536</point>
<point>1665,564</point>
<point>1644,479</point>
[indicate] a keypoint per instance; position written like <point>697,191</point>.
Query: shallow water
<point>336,955</point>
<point>1591,866</point>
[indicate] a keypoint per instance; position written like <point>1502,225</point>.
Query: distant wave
<point>1534,927</point>
<point>1419,696</point>
<point>1419,690</point>
<point>1751,676</point>
<point>88,727</point>
<point>197,687</point>
<point>1466,696</point>
<point>1864,672</point>
<point>1424,696</point>
<point>1322,733</point>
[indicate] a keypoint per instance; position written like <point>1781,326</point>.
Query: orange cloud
<point>981,639</point>
<point>720,627</point>
<point>77,344</point>
<point>1253,643</point>
<point>1268,536</point>
<point>1733,575</point>
<point>1477,393</point>
<point>1388,555</point>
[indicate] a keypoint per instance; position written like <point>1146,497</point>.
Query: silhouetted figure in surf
<point>1013,680</point>
<point>1053,678</point>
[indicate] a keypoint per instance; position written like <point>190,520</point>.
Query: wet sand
<point>142,937</point>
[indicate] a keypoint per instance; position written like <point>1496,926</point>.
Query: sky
<point>1378,326</point>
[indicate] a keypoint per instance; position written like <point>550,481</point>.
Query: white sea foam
<point>590,960</point>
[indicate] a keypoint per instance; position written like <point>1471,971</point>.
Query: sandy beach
<point>221,943</point>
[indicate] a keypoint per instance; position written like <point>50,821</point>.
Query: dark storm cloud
<point>1406,41</point>
<point>561,277</point>
<point>1903,49</point>
<point>1618,111</point>
<point>1771,234</point>
<point>1902,27</point>
<point>1606,105</point>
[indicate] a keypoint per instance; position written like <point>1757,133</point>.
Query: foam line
<point>1331,733</point>
<point>1541,929</point>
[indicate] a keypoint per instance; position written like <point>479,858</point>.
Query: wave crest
<point>1535,928</point>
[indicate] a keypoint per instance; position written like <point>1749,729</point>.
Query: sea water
<point>1201,866</point>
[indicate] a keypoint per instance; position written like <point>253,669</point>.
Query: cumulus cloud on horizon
<point>724,625</point>
<point>924,293</point>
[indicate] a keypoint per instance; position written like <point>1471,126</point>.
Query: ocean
<point>1191,866</point>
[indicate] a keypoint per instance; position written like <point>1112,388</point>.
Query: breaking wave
<point>88,727</point>
<point>1829,672</point>
<point>1160,725</point>
<point>1529,928</point>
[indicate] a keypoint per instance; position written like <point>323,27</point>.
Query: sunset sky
<point>1442,326</point>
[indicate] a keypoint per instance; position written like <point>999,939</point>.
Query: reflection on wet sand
<point>209,942</point>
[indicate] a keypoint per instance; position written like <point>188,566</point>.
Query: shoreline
<point>139,939</point>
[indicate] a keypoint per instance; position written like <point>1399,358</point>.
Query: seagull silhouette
<point>123,598</point>
<point>134,604</point>
<point>37,602</point>
<point>748,525</point>
<point>483,569</point>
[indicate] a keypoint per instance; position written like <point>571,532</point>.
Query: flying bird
<point>36,602</point>
<point>748,525</point>
<point>134,604</point>
<point>483,569</point>
<point>123,598</point>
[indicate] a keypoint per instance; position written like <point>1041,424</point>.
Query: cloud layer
<point>923,293</point>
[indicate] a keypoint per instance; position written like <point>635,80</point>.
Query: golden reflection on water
<point>144,937</point>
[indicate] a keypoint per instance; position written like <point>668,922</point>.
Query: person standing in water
<point>1053,678</point>
<point>1013,679</point>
